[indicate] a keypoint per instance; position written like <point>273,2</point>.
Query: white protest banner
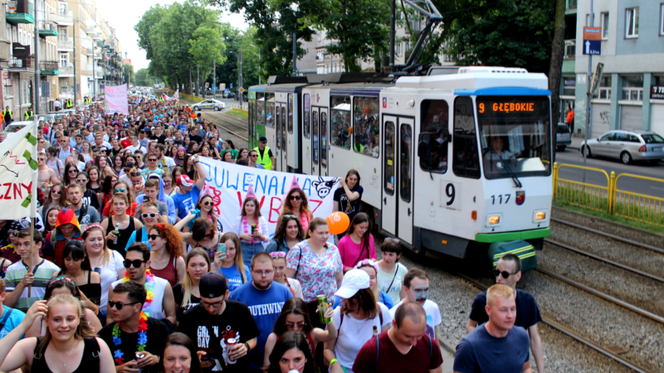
<point>116,99</point>
<point>18,174</point>
<point>176,96</point>
<point>229,184</point>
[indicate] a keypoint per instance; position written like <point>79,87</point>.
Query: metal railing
<point>609,198</point>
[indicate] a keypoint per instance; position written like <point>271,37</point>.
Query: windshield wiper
<point>516,180</point>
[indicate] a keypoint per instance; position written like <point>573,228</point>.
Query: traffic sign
<point>241,90</point>
<point>592,41</point>
<point>214,88</point>
<point>231,85</point>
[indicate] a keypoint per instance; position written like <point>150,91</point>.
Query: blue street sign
<point>214,88</point>
<point>231,85</point>
<point>592,47</point>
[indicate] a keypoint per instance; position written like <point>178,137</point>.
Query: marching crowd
<point>128,268</point>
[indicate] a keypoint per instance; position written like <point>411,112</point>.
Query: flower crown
<point>367,262</point>
<point>93,226</point>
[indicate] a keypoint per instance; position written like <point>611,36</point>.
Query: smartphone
<point>221,248</point>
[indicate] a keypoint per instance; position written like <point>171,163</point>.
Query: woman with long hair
<point>206,206</point>
<point>57,197</point>
<point>69,177</point>
<point>291,352</point>
<point>86,152</point>
<point>104,168</point>
<point>118,164</point>
<point>188,168</point>
<point>180,156</point>
<point>316,264</point>
<point>180,355</point>
<point>94,181</point>
<point>88,195</point>
<point>104,196</point>
<point>177,171</point>
<point>77,267</point>
<point>348,197</point>
<point>170,189</point>
<point>230,263</point>
<point>288,234</point>
<point>108,263</point>
<point>357,317</point>
<point>279,261</point>
<point>64,285</point>
<point>358,243</point>
<point>205,150</point>
<point>227,156</point>
<point>243,153</point>
<point>120,225</point>
<point>121,187</point>
<point>67,334</point>
<point>203,234</point>
<point>296,203</point>
<point>251,227</point>
<point>51,218</point>
<point>187,294</point>
<point>166,253</point>
<point>294,317</point>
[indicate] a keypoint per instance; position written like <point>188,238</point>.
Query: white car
<point>209,104</point>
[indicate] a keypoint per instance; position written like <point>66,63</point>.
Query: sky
<point>122,15</point>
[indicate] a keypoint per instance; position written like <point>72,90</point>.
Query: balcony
<point>570,49</point>
<point>48,29</point>
<point>66,70</point>
<point>49,68</point>
<point>20,11</point>
<point>21,64</point>
<point>65,44</point>
<point>97,55</point>
<point>65,19</point>
<point>91,27</point>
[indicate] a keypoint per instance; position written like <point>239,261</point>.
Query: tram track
<point>228,123</point>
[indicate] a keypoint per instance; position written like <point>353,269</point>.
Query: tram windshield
<point>515,136</point>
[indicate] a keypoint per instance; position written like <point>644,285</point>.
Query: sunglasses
<point>279,254</point>
<point>118,305</point>
<point>392,239</point>
<point>153,236</point>
<point>72,171</point>
<point>295,198</point>
<point>134,174</point>
<point>13,233</point>
<point>151,160</point>
<point>151,214</point>
<point>136,263</point>
<point>254,156</point>
<point>121,190</point>
<point>505,274</point>
<point>56,191</point>
<point>81,180</point>
<point>208,203</point>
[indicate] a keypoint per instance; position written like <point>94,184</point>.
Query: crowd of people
<point>129,269</point>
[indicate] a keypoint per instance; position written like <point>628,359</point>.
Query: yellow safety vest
<point>265,160</point>
<point>5,113</point>
<point>28,114</point>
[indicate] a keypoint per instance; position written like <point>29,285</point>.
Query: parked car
<point>208,104</point>
<point>627,145</point>
<point>563,137</point>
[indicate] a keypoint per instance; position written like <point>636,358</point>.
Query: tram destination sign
<point>511,106</point>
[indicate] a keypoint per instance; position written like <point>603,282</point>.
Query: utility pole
<point>74,64</point>
<point>94,72</point>
<point>392,33</point>
<point>259,66</point>
<point>37,70</point>
<point>588,96</point>
<point>240,77</point>
<point>294,53</point>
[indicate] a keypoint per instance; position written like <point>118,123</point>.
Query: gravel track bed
<point>617,229</point>
<point>599,321</point>
<point>624,285</point>
<point>633,256</point>
<point>454,297</point>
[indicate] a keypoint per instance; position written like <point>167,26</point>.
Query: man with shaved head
<point>496,346</point>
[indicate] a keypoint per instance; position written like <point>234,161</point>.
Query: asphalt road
<point>574,157</point>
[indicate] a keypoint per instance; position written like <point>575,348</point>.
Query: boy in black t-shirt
<point>223,329</point>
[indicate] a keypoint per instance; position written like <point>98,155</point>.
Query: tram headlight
<point>540,216</point>
<point>493,220</point>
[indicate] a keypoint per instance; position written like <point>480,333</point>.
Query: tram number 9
<point>481,108</point>
<point>451,194</point>
<point>500,199</point>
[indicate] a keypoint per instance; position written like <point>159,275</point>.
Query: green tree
<point>359,27</point>
<point>128,73</point>
<point>207,46</point>
<point>518,36</point>
<point>142,78</point>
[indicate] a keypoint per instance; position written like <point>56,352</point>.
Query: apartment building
<point>632,49</point>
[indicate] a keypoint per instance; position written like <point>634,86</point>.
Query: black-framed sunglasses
<point>153,236</point>
<point>118,305</point>
<point>295,198</point>
<point>14,234</point>
<point>150,215</point>
<point>81,181</point>
<point>136,263</point>
<point>208,203</point>
<point>134,174</point>
<point>72,170</point>
<point>505,274</point>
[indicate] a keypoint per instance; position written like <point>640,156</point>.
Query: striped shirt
<point>42,272</point>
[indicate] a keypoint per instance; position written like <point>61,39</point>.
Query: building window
<point>604,24</point>
<point>604,92</point>
<point>661,19</point>
<point>398,49</point>
<point>632,23</point>
<point>632,88</point>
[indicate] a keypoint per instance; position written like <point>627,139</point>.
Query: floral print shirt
<point>316,272</point>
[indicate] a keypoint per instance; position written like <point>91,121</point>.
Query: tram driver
<point>496,153</point>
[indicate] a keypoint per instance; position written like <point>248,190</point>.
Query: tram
<point>448,162</point>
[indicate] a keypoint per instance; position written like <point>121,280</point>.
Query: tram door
<point>319,142</point>
<point>398,177</point>
<point>280,137</point>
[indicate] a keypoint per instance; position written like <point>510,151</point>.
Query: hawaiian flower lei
<point>142,326</point>
<point>247,229</point>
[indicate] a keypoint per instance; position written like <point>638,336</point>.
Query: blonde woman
<point>230,263</point>
<point>186,293</point>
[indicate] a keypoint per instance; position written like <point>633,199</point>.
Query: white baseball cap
<point>354,280</point>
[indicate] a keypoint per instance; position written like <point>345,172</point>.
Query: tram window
<point>251,118</point>
<point>277,117</point>
<point>406,136</point>
<point>466,158</point>
<point>365,126</point>
<point>290,113</point>
<point>306,125</point>
<point>269,119</point>
<point>433,142</point>
<point>314,123</point>
<point>340,121</point>
<point>388,183</point>
<point>323,136</point>
<point>283,128</point>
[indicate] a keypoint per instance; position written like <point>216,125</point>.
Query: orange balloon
<point>338,222</point>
